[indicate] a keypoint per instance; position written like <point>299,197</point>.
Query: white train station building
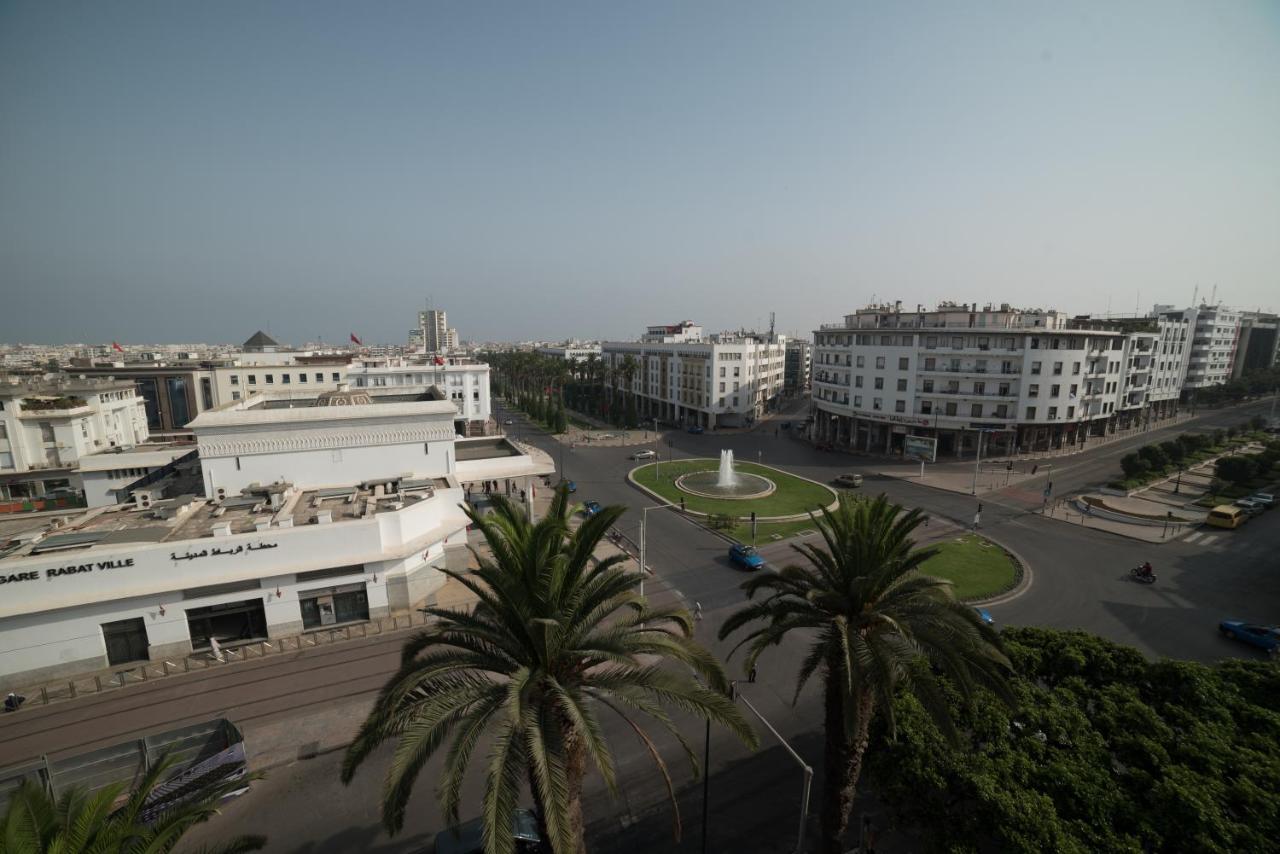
<point>319,510</point>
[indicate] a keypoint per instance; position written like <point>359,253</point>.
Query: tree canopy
<point>1105,751</point>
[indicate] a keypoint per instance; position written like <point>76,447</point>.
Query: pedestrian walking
<point>751,676</point>
<point>697,610</point>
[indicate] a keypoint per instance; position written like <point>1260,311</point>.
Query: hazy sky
<point>194,171</point>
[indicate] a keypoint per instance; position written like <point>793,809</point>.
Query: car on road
<point>848,481</point>
<point>468,838</point>
<point>745,556</point>
<point>697,430</point>
<point>1253,508</point>
<point>509,421</point>
<point>785,425</point>
<point>569,485</point>
<point>590,508</point>
<point>1266,499</point>
<point>1226,516</point>
<point>644,455</point>
<point>985,616</point>
<point>1263,637</point>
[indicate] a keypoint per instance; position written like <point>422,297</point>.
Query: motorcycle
<point>1144,577</point>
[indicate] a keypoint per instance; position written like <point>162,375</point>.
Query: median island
<point>977,567</point>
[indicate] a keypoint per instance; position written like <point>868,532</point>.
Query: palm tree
<point>554,640</point>
<point>82,820</point>
<point>872,620</point>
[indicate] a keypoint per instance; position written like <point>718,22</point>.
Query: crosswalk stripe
<point>1191,539</point>
<point>1209,539</point>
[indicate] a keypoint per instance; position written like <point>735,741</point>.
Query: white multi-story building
<point>799,366</point>
<point>1215,331</point>
<point>48,426</point>
<point>462,380</point>
<point>1026,380</point>
<point>676,374</point>
<point>321,510</point>
<point>578,353</point>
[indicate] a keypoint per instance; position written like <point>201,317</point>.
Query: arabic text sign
<point>216,551</point>
<point>923,448</point>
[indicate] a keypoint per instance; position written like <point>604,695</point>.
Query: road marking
<point>1191,539</point>
<point>1209,539</point>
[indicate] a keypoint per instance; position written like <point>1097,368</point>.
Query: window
<point>926,407</point>
<point>235,395</point>
<point>1031,413</point>
<point>1071,412</point>
<point>235,379</point>
<point>931,341</point>
<point>1074,388</point>
<point>857,400</point>
<point>879,382</point>
<point>206,392</point>
<point>1004,389</point>
<point>334,376</point>
<point>302,378</point>
<point>1033,390</point>
<point>1006,367</point>
<point>886,340</point>
<point>722,374</point>
<point>899,406</point>
<point>737,371</point>
<point>930,363</point>
<point>735,386</point>
<point>957,343</point>
<point>902,385</point>
<point>975,411</point>
<point>857,381</point>
<point>285,378</point>
<point>1075,367</point>
<point>319,377</point>
<point>984,343</point>
<point>1035,367</point>
<point>876,403</point>
<point>951,408</point>
<point>903,363</point>
<point>722,384</point>
<point>253,379</point>
<point>1057,368</point>
<point>271,379</point>
<point>1035,343</point>
<point>176,388</point>
<point>954,366</point>
<point>1053,412</point>
<point>862,361</point>
<point>879,361</point>
<point>979,388</point>
<point>927,386</point>
<point>1002,411</point>
<point>1055,390</point>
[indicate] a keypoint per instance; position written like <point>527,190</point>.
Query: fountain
<point>725,483</point>
<point>727,476</point>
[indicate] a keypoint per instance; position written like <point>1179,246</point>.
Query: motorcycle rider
<point>1146,570</point>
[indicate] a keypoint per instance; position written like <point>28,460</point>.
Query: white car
<point>644,455</point>
<point>509,421</point>
<point>1250,506</point>
<point>1266,499</point>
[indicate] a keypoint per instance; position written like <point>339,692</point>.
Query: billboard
<point>922,448</point>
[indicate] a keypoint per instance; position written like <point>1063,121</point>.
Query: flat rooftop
<point>487,448</point>
<point>188,517</point>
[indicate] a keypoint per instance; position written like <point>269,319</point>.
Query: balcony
<point>942,369</point>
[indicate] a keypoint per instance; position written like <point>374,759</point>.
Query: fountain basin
<point>709,484</point>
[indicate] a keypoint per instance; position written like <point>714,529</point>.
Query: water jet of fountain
<point>727,477</point>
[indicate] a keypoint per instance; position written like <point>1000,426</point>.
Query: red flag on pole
<point>115,345</point>
<point>439,360</point>
<point>355,340</point>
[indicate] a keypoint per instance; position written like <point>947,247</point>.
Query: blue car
<point>745,557</point>
<point>591,508</point>
<point>569,485</point>
<point>696,430</point>
<point>986,617</point>
<point>1266,638</point>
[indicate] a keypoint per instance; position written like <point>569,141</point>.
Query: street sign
<point>922,448</point>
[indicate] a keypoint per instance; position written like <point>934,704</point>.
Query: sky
<point>179,172</point>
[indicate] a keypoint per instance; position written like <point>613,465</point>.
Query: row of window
<point>285,379</point>
<point>133,472</point>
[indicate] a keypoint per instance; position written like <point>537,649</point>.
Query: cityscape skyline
<point>718,162</point>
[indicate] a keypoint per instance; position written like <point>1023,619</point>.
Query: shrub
<point>1219,436</point>
<point>1174,450</point>
<point>1134,465</point>
<point>1155,457</point>
<point>1233,431</point>
<point>1236,470</point>
<point>1257,422</point>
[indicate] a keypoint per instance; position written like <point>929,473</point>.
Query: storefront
<point>229,622</point>
<point>331,606</point>
<point>126,641</point>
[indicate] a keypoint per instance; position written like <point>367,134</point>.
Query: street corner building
<point>303,511</point>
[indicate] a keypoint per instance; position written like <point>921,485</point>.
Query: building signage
<point>216,551</point>
<point>923,448</point>
<point>895,419</point>
<point>58,571</point>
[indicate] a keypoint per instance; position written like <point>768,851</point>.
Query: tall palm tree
<point>872,620</point>
<point>86,821</point>
<point>555,639</point>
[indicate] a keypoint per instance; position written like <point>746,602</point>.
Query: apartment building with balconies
<point>1008,378</point>
<point>1215,332</point>
<point>677,374</point>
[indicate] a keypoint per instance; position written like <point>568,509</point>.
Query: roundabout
<point>726,487</point>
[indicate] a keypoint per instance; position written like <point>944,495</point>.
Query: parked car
<point>697,430</point>
<point>848,481</point>
<point>569,485</point>
<point>509,421</point>
<point>745,557</point>
<point>1253,508</point>
<point>644,455</point>
<point>1266,499</point>
<point>1263,637</point>
<point>591,508</point>
<point>1226,516</point>
<point>468,838</point>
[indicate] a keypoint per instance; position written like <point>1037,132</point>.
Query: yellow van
<point>1226,516</point>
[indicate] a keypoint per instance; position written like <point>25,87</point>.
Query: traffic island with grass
<point>978,567</point>
<point>791,495</point>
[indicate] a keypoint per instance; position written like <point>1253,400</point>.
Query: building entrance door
<point>126,641</point>
<point>229,622</point>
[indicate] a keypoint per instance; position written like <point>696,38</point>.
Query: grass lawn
<point>976,566</point>
<point>766,530</point>
<point>793,494</point>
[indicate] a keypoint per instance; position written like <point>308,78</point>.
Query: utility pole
<point>977,461</point>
